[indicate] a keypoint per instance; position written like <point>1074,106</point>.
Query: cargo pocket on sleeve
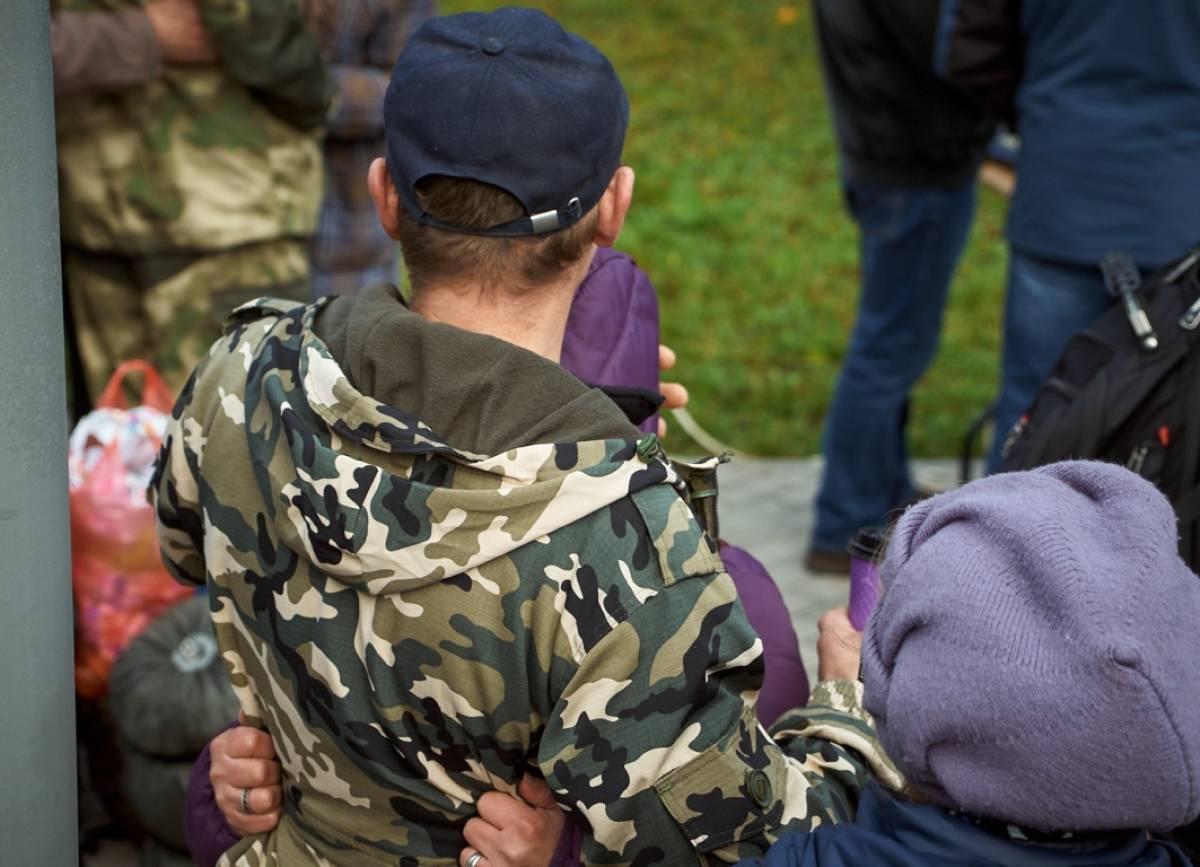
<point>730,792</point>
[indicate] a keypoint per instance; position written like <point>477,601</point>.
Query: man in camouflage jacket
<point>189,183</point>
<point>436,560</point>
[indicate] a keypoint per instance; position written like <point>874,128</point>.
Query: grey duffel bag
<point>168,692</point>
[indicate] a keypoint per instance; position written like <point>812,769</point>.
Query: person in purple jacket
<point>611,340</point>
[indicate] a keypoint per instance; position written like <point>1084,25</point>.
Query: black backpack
<point>1127,390</point>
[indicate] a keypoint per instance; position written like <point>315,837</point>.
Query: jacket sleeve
<point>979,45</point>
<point>175,494</point>
<point>267,46</point>
<point>204,828</point>
<point>102,51</point>
<point>360,83</point>
<point>656,744</point>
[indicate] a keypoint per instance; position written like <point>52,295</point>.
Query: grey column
<point>37,707</point>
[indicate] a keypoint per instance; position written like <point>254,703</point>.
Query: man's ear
<point>384,195</point>
<point>613,206</point>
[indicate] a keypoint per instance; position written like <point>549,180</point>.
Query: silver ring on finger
<point>474,859</point>
<point>246,802</point>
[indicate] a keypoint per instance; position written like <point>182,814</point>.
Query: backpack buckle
<point>1191,317</point>
<point>1123,280</point>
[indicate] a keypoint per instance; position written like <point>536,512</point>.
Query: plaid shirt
<point>361,39</point>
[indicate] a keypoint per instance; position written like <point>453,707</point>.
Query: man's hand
<point>676,395</point>
<point>838,647</point>
<point>509,833</point>
<point>243,758</point>
<point>180,31</point>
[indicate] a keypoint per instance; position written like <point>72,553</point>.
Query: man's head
<point>504,136</point>
<point>1034,656</point>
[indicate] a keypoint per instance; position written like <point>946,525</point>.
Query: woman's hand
<point>243,760</point>
<point>676,396</point>
<point>514,833</point>
<point>839,646</point>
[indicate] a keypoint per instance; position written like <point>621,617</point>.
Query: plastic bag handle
<point>155,392</point>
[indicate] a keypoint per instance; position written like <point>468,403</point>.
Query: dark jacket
<point>890,832</point>
<point>896,122</point>
<point>1107,102</point>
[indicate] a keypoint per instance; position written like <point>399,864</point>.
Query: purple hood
<point>612,332</point>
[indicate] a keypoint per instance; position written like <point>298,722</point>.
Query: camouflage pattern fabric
<point>416,625</point>
<point>203,158</point>
<point>168,309</point>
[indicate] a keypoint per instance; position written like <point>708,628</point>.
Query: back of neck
<point>535,320</point>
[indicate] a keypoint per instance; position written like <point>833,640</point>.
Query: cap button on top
<point>493,45</point>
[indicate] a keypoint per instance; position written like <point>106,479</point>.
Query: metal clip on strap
<point>1123,280</point>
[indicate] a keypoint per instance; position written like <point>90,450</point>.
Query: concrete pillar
<point>37,707</point>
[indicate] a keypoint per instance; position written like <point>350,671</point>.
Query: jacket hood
<point>373,493</point>
<point>481,394</point>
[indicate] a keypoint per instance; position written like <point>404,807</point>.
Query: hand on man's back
<point>244,763</point>
<point>515,832</point>
<point>508,831</point>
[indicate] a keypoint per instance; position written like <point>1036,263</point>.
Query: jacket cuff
<point>842,694</point>
<point>825,717</point>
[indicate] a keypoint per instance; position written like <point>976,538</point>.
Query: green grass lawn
<point>739,221</point>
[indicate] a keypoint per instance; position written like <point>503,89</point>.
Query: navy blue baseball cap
<point>510,99</point>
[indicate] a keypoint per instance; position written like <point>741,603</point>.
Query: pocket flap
<point>730,792</point>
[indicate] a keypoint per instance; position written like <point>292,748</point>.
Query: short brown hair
<point>512,265</point>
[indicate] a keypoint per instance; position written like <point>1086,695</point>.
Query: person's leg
<point>911,242</point>
<point>187,305</point>
<point>106,306</point>
<point>1046,303</point>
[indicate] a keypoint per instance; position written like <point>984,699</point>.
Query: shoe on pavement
<point>827,562</point>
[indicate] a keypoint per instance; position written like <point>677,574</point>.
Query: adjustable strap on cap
<point>541,223</point>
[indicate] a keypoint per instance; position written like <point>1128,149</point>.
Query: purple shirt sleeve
<point>102,51</point>
<point>570,846</point>
<point>204,827</point>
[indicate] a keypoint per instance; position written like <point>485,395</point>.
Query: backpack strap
<point>1187,504</point>
<point>1191,416</point>
<point>1092,405</point>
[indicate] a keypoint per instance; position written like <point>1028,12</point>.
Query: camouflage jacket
<point>203,157</point>
<point>416,624</point>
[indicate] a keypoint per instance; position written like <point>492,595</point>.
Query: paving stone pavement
<point>766,507</point>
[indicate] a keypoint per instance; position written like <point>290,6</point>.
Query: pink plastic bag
<point>119,580</point>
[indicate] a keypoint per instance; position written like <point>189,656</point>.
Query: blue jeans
<point>1047,303</point>
<point>911,240</point>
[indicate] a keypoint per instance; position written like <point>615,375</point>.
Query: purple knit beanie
<point>1035,657</point>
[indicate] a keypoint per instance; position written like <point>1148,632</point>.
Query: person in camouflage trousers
<point>190,182</point>
<point>437,562</point>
